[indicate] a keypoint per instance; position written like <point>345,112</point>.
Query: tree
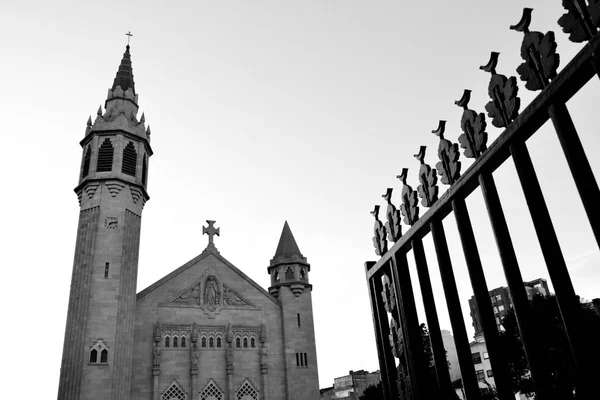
<point>545,316</point>
<point>373,392</point>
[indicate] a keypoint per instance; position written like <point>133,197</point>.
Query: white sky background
<point>263,111</point>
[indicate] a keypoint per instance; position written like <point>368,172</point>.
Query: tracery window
<point>246,392</point>
<point>238,342</point>
<point>183,341</point>
<point>245,342</point>
<point>175,341</point>
<point>167,341</point>
<point>252,343</point>
<point>203,341</point>
<point>289,274</point>
<point>211,342</point>
<point>218,341</point>
<point>211,391</point>
<point>99,348</point>
<point>173,392</point>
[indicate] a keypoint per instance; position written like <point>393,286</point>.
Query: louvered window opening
<point>129,160</point>
<point>86,162</point>
<point>105,156</point>
<point>144,170</point>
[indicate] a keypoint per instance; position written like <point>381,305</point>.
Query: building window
<point>500,308</point>
<point>305,360</point>
<point>86,162</point>
<point>104,356</point>
<point>289,274</point>
<point>218,341</point>
<point>238,342</point>
<point>498,297</point>
<point>94,356</point>
<point>302,274</point>
<point>297,359</point>
<point>301,360</point>
<point>495,310</point>
<point>167,341</point>
<point>106,270</point>
<point>252,343</point>
<point>480,375</point>
<point>486,356</point>
<point>105,156</point>
<point>298,320</point>
<point>183,341</point>
<point>246,392</point>
<point>493,299</point>
<point>144,170</point>
<point>173,392</point>
<point>211,342</point>
<point>175,341</point>
<point>476,358</point>
<point>490,373</point>
<point>203,341</point>
<point>211,391</point>
<point>245,342</point>
<point>129,160</point>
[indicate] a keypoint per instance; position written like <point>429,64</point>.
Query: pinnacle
<point>124,76</point>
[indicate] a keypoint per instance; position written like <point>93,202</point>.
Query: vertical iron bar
<point>435,334</point>
<point>387,364</point>
<point>514,280</point>
<point>578,164</point>
<point>461,340</point>
<point>482,299</point>
<point>410,325</point>
<point>555,262</point>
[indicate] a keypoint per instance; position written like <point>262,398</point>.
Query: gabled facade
<point>206,330</point>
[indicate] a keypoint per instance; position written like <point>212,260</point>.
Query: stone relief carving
<point>194,355</point>
<point>156,354</point>
<point>211,293</point>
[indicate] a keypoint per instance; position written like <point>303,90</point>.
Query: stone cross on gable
<point>210,231</point>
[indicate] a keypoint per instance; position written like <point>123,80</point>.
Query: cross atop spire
<point>210,230</point>
<point>129,35</point>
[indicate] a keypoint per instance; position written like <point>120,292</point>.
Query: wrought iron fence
<point>404,368</point>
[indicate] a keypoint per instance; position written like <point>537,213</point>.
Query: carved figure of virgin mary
<point>211,293</point>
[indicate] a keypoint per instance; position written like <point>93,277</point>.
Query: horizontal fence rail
<point>405,369</point>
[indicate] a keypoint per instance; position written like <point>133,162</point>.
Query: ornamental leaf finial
<point>491,65</point>
<point>439,131</point>
<point>523,24</point>
<point>464,100</point>
<point>393,225</point>
<point>379,241</point>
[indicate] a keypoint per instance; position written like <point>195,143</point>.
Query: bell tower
<point>97,352</point>
<point>290,284</point>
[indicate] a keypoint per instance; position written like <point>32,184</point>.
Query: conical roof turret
<point>124,76</point>
<point>287,249</point>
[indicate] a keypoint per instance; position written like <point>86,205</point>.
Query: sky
<point>262,112</point>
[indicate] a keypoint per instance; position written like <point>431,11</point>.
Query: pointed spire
<point>287,244</point>
<point>143,119</point>
<point>99,112</point>
<point>89,122</point>
<point>124,76</point>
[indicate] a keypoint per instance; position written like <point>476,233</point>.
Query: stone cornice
<point>89,180</point>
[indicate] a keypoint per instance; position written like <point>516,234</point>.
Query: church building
<point>206,331</point>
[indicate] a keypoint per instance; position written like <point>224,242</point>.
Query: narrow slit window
<point>94,356</point>
<point>218,342</point>
<point>183,341</point>
<point>104,356</point>
<point>237,342</point>
<point>297,359</point>
<point>211,342</point>
<point>144,170</point>
<point>129,160</point>
<point>252,343</point>
<point>106,270</point>
<point>245,342</point>
<point>175,342</point>
<point>203,342</point>
<point>86,162</point>
<point>167,342</point>
<point>298,320</point>
<point>305,360</point>
<point>105,156</point>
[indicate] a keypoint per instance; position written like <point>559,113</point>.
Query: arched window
<point>245,342</point>
<point>211,342</point>
<point>276,276</point>
<point>175,341</point>
<point>104,356</point>
<point>183,341</point>
<point>289,274</point>
<point>144,170</point>
<point>86,162</point>
<point>167,341</point>
<point>218,341</point>
<point>203,341</point>
<point>252,343</point>
<point>302,274</point>
<point>105,156</point>
<point>238,342</point>
<point>94,356</point>
<point>129,160</point>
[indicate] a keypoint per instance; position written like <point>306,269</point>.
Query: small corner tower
<point>97,353</point>
<point>290,284</point>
